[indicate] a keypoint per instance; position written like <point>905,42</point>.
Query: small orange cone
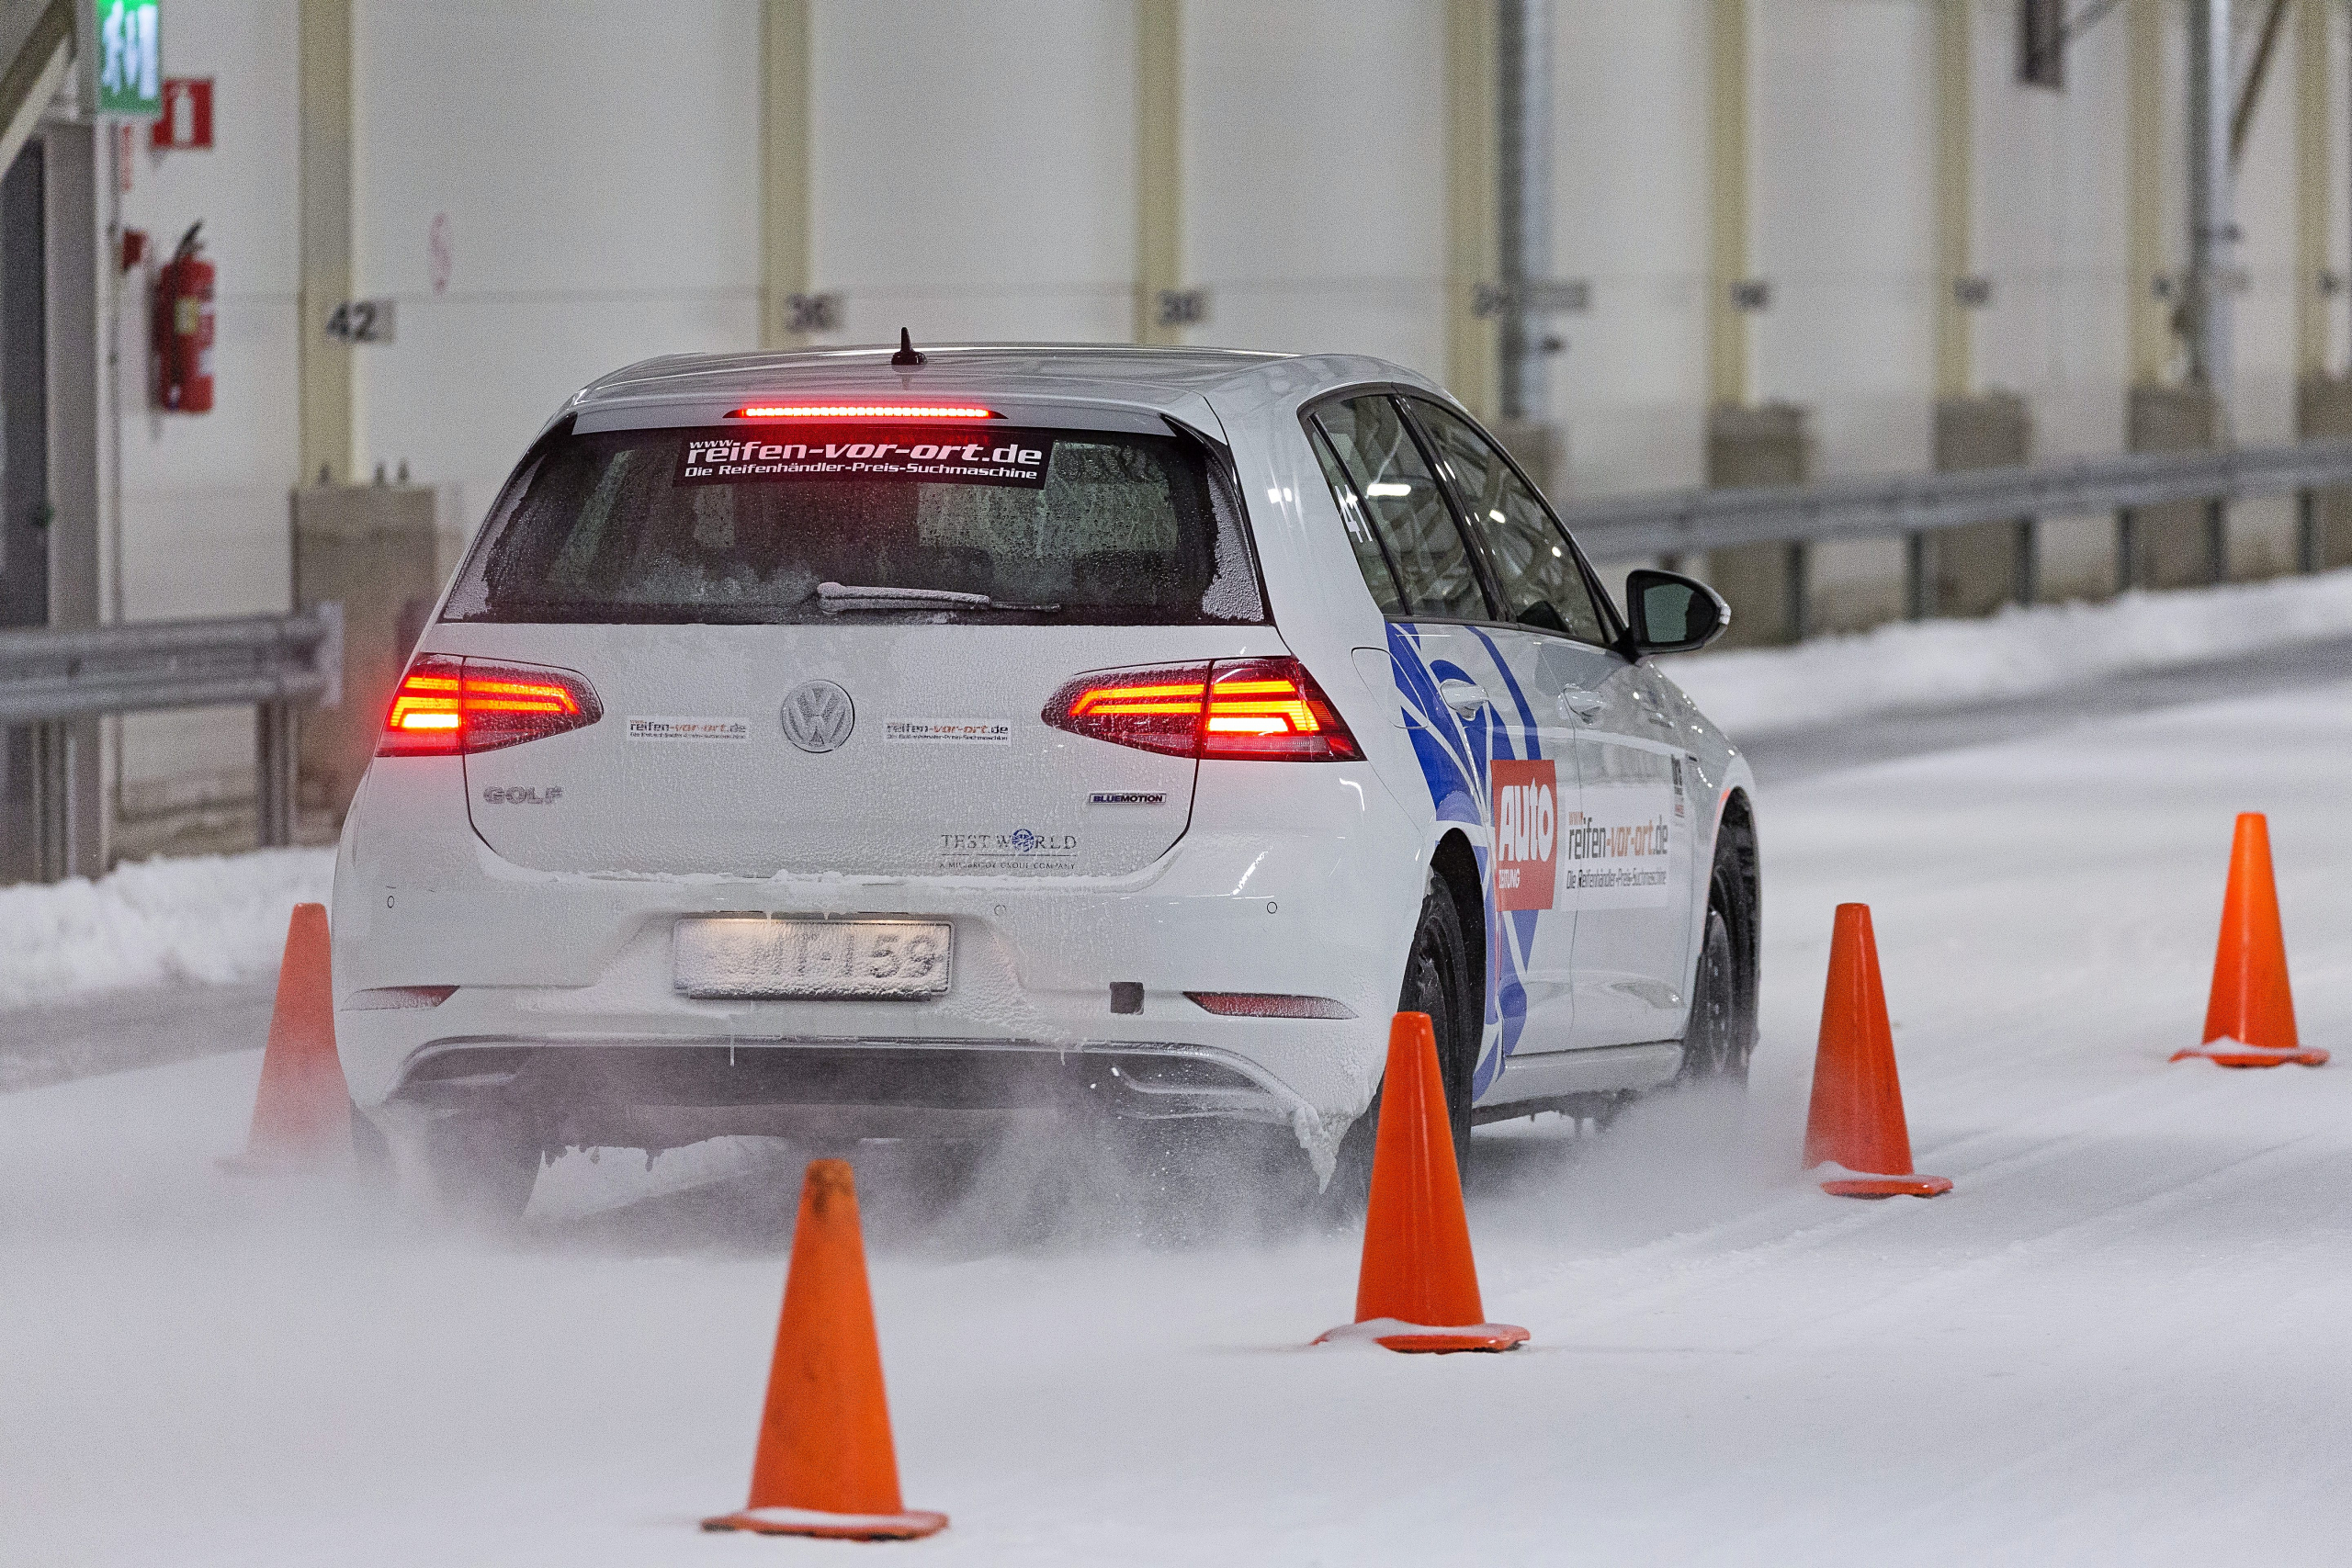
<point>1857,1117</point>
<point>2250,1021</point>
<point>302,1110</point>
<point>1419,1286</point>
<point>825,1466</point>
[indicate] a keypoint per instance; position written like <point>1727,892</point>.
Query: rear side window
<point>742,524</point>
<point>1398,495</point>
<point>1372,559</point>
<point>1540,583</point>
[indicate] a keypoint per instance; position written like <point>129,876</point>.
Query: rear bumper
<point>662,1094</point>
<point>1298,881</point>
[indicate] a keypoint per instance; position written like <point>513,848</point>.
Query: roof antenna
<point>907,354</point>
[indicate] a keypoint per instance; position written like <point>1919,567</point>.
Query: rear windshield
<point>761,524</point>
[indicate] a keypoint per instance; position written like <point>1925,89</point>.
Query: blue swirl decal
<point>1454,757</point>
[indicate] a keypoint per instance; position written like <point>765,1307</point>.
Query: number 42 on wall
<point>361,320</point>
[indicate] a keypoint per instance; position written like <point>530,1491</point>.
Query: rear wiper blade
<point>833,598</point>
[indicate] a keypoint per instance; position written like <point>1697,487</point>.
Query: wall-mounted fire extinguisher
<point>181,338</point>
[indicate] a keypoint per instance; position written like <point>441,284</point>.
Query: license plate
<point>745,956</point>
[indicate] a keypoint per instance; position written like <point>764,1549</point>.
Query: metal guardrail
<point>1676,521</point>
<point>53,678</point>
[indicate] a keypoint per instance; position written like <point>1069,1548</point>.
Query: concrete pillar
<point>2148,310</point>
<point>1765,585</point>
<point>1473,267</point>
<point>323,106</point>
<point>1955,169</point>
<point>370,548</point>
<point>2179,543</point>
<point>1159,166</point>
<point>1975,569</point>
<point>1972,570</point>
<point>785,262</point>
<point>2324,411</point>
<point>1727,377</point>
<point>2322,403</point>
<point>2314,179</point>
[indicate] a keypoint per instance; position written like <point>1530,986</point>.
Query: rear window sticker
<point>1016,457</point>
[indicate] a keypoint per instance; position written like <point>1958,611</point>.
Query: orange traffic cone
<point>825,1466</point>
<point>302,1110</point>
<point>2250,1021</point>
<point>1857,1117</point>
<point>1418,1288</point>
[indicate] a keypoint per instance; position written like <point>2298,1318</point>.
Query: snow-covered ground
<point>2127,1336</point>
<point>1912,666</point>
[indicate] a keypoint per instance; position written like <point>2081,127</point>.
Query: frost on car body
<point>813,746</point>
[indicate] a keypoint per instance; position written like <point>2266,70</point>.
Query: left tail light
<point>1234,710</point>
<point>448,707</point>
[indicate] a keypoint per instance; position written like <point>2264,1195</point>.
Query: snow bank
<point>207,919</point>
<point>2020,651</point>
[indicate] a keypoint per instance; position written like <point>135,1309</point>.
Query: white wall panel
<point>1315,174</point>
<point>972,167</point>
<point>2052,186</point>
<point>1843,161</point>
<point>598,166</point>
<point>1630,214</point>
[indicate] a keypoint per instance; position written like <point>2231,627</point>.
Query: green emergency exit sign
<point>126,59</point>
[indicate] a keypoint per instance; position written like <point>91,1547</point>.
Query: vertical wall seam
<point>1727,346</point>
<point>323,366</point>
<point>1472,210</point>
<point>786,262</point>
<point>1160,165</point>
<point>1955,169</point>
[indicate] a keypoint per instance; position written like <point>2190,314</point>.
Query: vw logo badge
<point>818,716</point>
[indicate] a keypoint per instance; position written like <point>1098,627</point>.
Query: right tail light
<point>1233,710</point>
<point>448,708</point>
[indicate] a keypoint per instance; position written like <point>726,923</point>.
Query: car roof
<point>1150,377</point>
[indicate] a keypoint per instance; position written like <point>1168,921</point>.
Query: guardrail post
<point>2217,545</point>
<point>2306,531</point>
<point>1799,568</point>
<point>2027,557</point>
<point>2126,548</point>
<point>52,797</point>
<point>274,754</point>
<point>1917,576</point>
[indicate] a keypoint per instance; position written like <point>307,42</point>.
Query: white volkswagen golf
<point>858,744</point>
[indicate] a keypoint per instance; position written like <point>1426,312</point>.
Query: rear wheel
<point>1438,982</point>
<point>1721,1035</point>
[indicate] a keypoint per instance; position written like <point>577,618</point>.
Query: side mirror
<point>1673,614</point>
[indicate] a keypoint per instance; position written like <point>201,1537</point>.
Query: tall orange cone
<point>825,1466</point>
<point>2250,1021</point>
<point>302,1110</point>
<point>1418,1288</point>
<point>1857,1117</point>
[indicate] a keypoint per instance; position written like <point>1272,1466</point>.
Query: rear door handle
<point>1584,705</point>
<point>1465,697</point>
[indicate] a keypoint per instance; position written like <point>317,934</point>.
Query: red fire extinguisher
<point>182,335</point>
